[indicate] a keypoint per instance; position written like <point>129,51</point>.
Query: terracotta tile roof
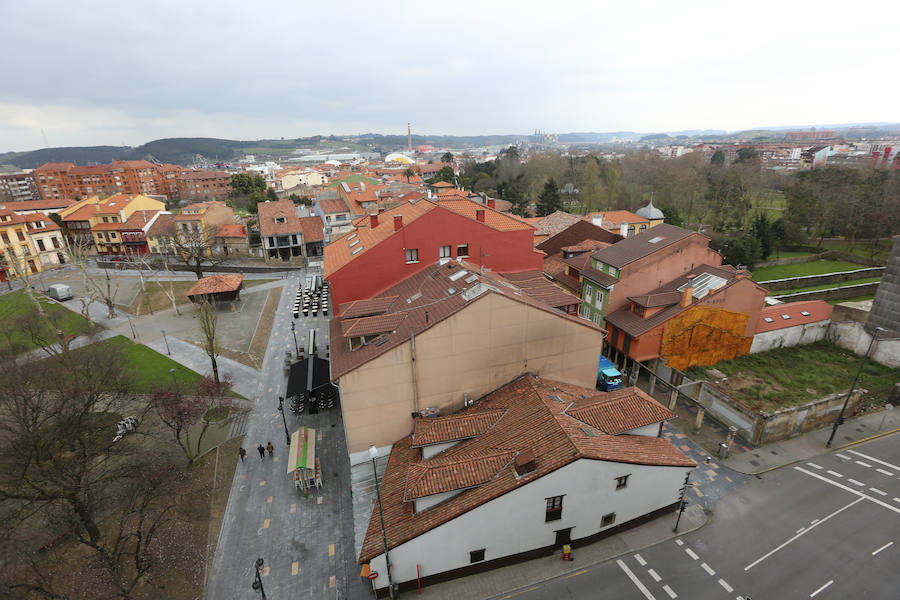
<point>55,166</point>
<point>215,284</point>
<point>577,233</point>
<point>450,428</point>
<point>426,298</point>
<point>538,287</point>
<point>338,253</point>
<point>454,194</point>
<point>492,217</point>
<point>371,325</point>
<point>585,246</point>
<point>555,222</point>
<point>237,230</point>
<point>82,213</point>
<point>39,204</point>
<point>614,218</point>
<point>139,219</point>
<point>164,225</point>
<point>332,206</point>
<point>436,476</point>
<point>534,420</point>
<point>652,300</point>
<point>619,411</point>
<point>588,272</point>
<point>312,229</point>
<point>282,209</point>
<point>643,244</point>
<point>366,308</point>
<point>442,184</point>
<point>818,310</point>
<point>31,221</point>
<point>107,226</point>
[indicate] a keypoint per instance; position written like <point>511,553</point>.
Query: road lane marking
<point>295,567</point>
<point>883,472</point>
<point>801,530</point>
<point>896,499</point>
<point>725,585</point>
<point>266,523</point>
<point>877,491</point>
<point>679,542</point>
<point>669,591</point>
<point>814,521</point>
<point>330,549</point>
<point>814,466</point>
<point>771,552</point>
<point>654,575</point>
<point>851,490</point>
<point>635,581</point>
<point>878,460</point>
<point>576,574</point>
<point>834,474</point>
<point>844,456</point>
<point>691,553</point>
<point>886,546</point>
<point>813,595</point>
<point>640,560</point>
<point>855,482</point>
<point>862,464</point>
<point>707,568</point>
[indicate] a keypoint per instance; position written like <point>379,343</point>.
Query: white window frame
<point>445,251</point>
<point>412,256</point>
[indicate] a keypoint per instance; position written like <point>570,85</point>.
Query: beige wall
<point>482,347</point>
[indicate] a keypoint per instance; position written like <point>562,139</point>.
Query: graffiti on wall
<point>703,336</point>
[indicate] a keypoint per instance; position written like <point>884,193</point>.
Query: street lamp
<point>373,453</point>
<point>287,436</point>
<point>294,333</point>
<point>166,340</point>
<point>257,581</point>
<point>862,363</point>
<point>130,324</point>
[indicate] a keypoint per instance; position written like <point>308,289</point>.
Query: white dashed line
<point>801,530</point>
<point>888,545</point>
<point>834,474</point>
<point>844,456</point>
<point>707,568</point>
<point>814,521</point>
<point>725,585</point>
<point>855,482</point>
<point>635,580</point>
<point>877,491</point>
<point>691,553</point>
<point>883,472</point>
<point>896,499</point>
<point>862,464</point>
<point>640,560</point>
<point>873,459</point>
<point>813,595</point>
<point>680,543</point>
<point>655,576</point>
<point>669,591</point>
<point>849,489</point>
<point>814,466</point>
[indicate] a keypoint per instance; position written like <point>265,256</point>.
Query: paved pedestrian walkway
<point>806,446</point>
<point>244,379</point>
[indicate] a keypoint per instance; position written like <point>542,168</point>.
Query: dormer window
<point>281,219</point>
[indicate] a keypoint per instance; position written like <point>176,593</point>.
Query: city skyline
<point>108,75</point>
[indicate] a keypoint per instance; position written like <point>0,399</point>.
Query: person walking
<point>270,448</point>
<point>262,451</point>
<point>242,453</point>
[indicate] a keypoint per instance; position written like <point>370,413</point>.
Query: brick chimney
<point>688,295</point>
<point>398,222</point>
<point>373,220</point>
<point>479,214</point>
<point>491,203</point>
<point>525,462</point>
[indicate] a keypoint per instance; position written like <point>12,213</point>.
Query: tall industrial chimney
<point>409,136</point>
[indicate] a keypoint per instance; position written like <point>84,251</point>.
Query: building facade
<point>198,223</point>
<point>203,185</point>
<point>18,186</point>
<point>70,182</point>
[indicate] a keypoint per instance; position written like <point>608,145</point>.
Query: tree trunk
<point>215,368</point>
<point>87,520</point>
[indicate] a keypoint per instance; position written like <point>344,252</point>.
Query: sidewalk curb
<point>827,451</point>
<point>583,566</point>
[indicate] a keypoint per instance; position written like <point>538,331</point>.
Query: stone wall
<point>810,280</point>
<point>796,420</point>
<point>852,336</point>
<point>836,293</point>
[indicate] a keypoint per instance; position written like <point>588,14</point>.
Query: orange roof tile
<point>232,230</point>
<point>492,218</point>
<point>449,428</point>
<point>215,284</point>
<point>818,310</point>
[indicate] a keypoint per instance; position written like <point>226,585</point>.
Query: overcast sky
<point>96,72</point>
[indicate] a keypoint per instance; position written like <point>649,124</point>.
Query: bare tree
<point>194,244</point>
<point>208,318</point>
<point>96,286</point>
<point>168,291</point>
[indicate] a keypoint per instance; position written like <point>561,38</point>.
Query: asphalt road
<point>828,528</point>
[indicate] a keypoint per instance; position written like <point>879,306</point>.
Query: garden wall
<point>791,283</point>
<point>852,336</point>
<point>836,293</point>
<point>206,268</point>
<point>789,336</point>
<point>788,422</point>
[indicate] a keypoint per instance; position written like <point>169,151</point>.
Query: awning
<point>302,454</point>
<point>298,378</point>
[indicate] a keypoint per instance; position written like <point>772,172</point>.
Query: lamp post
<point>294,333</point>
<point>287,436</point>
<point>257,581</point>
<point>373,453</point>
<point>174,381</point>
<point>130,324</point>
<point>862,363</point>
<point>166,340</point>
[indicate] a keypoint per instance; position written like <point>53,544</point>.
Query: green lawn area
<point>353,179</point>
<point>785,377</point>
<point>813,267</point>
<point>829,286</point>
<point>789,254</point>
<point>853,299</point>
<point>15,308</point>
<point>861,248</point>
<point>149,365</point>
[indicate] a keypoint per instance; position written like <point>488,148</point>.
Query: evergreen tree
<point>549,201</point>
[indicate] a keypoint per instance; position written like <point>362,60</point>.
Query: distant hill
<point>79,155</point>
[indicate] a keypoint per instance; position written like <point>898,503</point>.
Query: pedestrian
<point>262,451</point>
<point>270,448</point>
<point>242,453</point>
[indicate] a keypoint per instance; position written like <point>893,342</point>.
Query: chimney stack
<point>398,222</point>
<point>491,203</point>
<point>373,220</point>
<point>479,214</point>
<point>688,295</point>
<point>525,462</point>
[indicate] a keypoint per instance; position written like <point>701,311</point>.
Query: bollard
<point>699,422</point>
<point>723,450</point>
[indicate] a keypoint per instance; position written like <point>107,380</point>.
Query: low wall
<point>846,257</point>
<point>852,336</point>
<point>837,293</point>
<point>206,268</point>
<point>789,336</point>
<point>726,409</point>
<point>796,420</point>
<point>810,280</point>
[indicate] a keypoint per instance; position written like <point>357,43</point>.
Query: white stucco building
<point>529,467</point>
<point>791,324</point>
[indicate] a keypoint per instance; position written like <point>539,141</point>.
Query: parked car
<point>608,376</point>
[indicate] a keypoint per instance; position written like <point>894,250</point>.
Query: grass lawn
<point>853,299</point>
<point>829,286</point>
<point>786,377</point>
<point>789,254</point>
<point>149,365</point>
<point>861,248</point>
<point>813,267</point>
<point>159,301</point>
<point>16,306</point>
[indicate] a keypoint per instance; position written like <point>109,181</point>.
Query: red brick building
<point>67,181</point>
<point>203,185</point>
<point>387,247</point>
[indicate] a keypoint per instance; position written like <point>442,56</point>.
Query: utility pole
<point>862,363</point>
<point>681,501</point>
